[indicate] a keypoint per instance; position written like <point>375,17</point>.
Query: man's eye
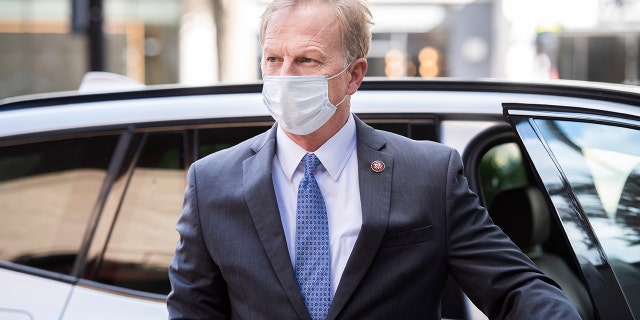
<point>307,60</point>
<point>272,59</point>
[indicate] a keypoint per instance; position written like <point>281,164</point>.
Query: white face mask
<point>300,104</point>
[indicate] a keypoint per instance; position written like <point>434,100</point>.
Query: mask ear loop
<point>339,73</point>
<point>341,101</point>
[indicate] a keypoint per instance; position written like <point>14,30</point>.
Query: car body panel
<point>89,303</point>
<point>173,105</point>
<point>20,301</point>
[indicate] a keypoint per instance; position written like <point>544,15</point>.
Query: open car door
<point>588,161</point>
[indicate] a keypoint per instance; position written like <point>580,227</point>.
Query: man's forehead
<point>301,30</point>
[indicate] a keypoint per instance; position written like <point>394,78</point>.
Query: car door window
<point>136,241</point>
<point>602,164</point>
<point>47,193</point>
<point>136,238</point>
<point>140,239</point>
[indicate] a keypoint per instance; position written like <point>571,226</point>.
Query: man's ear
<point>357,70</point>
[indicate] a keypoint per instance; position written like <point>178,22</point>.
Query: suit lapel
<point>263,207</point>
<point>375,197</point>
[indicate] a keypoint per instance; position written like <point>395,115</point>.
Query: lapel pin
<point>377,166</point>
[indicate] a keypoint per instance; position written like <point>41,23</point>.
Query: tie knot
<point>311,162</point>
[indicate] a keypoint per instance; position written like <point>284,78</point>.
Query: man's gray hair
<point>353,16</point>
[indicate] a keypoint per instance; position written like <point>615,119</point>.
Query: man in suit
<point>399,213</point>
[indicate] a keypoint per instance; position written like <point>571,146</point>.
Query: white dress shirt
<point>337,177</point>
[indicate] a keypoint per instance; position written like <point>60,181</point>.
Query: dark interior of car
<point>524,215</point>
<point>522,211</point>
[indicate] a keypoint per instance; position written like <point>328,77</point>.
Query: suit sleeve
<point>198,290</point>
<point>502,281</point>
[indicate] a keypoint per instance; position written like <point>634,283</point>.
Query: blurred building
<point>200,42</point>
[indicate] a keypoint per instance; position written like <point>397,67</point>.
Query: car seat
<point>523,214</point>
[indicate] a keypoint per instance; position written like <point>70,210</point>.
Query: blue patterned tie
<point>313,255</point>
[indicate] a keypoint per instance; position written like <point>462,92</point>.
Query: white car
<point>91,184</point>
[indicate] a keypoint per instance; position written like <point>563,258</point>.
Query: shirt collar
<point>333,154</point>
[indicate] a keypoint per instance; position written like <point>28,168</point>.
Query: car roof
<point>174,104</point>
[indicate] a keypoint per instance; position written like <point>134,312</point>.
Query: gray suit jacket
<point>420,223</point>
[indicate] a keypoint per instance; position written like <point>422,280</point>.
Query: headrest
<point>523,214</point>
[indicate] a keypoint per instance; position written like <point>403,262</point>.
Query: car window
<point>135,244</point>
<point>602,164</point>
<point>48,191</point>
<point>140,243</point>
<point>136,238</point>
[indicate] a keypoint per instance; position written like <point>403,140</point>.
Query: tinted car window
<point>140,243</point>
<point>602,164</point>
<point>47,193</point>
<point>135,242</point>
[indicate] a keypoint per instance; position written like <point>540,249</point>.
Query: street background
<point>48,45</point>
